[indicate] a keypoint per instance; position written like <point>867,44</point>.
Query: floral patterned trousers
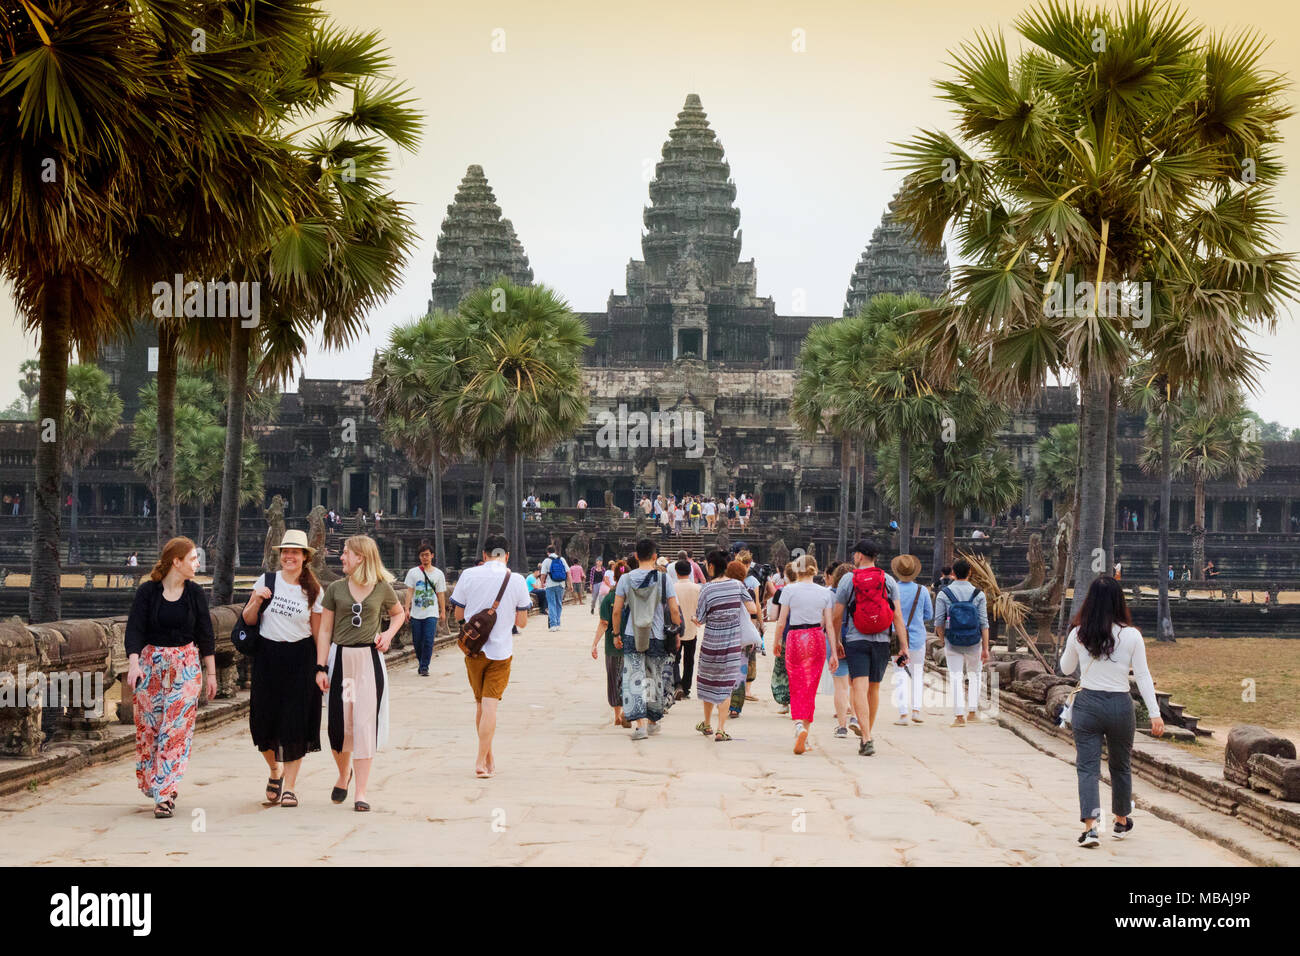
<point>166,703</point>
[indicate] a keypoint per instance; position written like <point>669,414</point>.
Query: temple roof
<point>894,261</point>
<point>692,199</point>
<point>476,245</point>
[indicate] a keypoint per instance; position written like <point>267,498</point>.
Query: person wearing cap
<point>917,608</point>
<point>867,654</point>
<point>284,706</point>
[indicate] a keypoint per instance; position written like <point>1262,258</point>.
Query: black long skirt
<point>284,705</point>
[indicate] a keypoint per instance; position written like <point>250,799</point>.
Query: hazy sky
<point>568,121</point>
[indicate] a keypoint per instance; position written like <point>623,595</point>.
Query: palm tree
<point>29,382</point>
<point>91,415</point>
<point>1206,444</point>
<point>84,118</point>
<point>518,352</point>
<point>409,383</point>
<point>819,401</point>
<point>1081,162</point>
<point>339,250</point>
<point>887,394</point>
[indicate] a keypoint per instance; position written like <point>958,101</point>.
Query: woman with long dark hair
<point>720,614</point>
<point>1104,646</point>
<point>170,651</point>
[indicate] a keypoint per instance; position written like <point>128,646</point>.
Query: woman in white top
<point>1104,646</point>
<point>285,704</point>
<point>806,611</point>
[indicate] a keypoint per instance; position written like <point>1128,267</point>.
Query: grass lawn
<point>1206,675</point>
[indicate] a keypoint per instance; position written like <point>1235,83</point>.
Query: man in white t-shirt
<point>489,672</point>
<point>426,602</point>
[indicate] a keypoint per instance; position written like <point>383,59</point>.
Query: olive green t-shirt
<point>339,600</point>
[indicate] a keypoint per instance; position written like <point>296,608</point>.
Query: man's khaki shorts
<point>487,678</point>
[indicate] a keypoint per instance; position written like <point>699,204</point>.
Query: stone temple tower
<point>476,245</point>
<point>895,262</point>
<point>691,297</point>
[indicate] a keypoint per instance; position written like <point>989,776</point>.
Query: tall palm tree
<point>91,416</point>
<point>1207,443</point>
<point>819,402</point>
<point>518,352</point>
<point>1087,162</point>
<point>84,118</point>
<point>340,248</point>
<point>407,381</point>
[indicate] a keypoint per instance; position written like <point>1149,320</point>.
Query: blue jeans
<point>422,634</point>
<point>554,597</point>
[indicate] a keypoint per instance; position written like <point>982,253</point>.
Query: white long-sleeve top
<point>1111,673</point>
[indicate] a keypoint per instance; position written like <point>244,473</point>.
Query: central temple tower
<point>691,297</point>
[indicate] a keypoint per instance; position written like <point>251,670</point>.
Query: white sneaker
<point>902,720</point>
<point>639,734</point>
<point>654,728</point>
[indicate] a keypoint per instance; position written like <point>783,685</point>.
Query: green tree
<point>29,382</point>
<point>408,381</point>
<point>92,412</point>
<point>1209,441</point>
<point>1094,161</point>
<point>518,356</point>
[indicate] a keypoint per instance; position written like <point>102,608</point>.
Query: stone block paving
<point>573,790</point>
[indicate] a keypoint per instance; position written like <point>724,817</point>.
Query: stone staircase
<point>1175,713</point>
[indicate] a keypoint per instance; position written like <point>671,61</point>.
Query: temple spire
<point>475,245</point>
<point>894,261</point>
<point>692,197</point>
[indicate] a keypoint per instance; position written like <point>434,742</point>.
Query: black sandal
<point>162,811</point>
<point>273,785</point>
<point>339,794</point>
<point>361,806</point>
<point>288,796</point>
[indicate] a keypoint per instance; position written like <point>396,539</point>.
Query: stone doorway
<point>684,481</point>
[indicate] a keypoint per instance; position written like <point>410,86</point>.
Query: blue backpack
<point>963,627</point>
<point>557,571</point>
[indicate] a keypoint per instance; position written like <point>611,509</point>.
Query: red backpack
<point>871,611</point>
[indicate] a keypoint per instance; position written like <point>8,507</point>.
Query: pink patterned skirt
<point>166,703</point>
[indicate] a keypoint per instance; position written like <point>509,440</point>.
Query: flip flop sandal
<point>339,794</point>
<point>705,729</point>
<point>273,785</point>
<point>162,811</point>
<point>290,799</point>
<point>720,737</point>
<point>733,715</point>
<point>361,806</point>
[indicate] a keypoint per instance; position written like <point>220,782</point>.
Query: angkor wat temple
<point>689,335</point>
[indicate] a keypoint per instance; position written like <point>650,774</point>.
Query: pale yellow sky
<point>568,121</point>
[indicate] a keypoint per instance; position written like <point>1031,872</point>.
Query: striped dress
<point>723,661</point>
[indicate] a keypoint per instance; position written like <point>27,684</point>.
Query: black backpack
<point>247,638</point>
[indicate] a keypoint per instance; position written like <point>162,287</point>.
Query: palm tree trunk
<point>74,545</point>
<point>223,574</point>
<point>428,497</point>
<point>1198,531</point>
<point>1092,489</point>
<point>1112,437</point>
<point>435,483</point>
<point>940,507</point>
<point>202,509</point>
<point>511,516</point>
<point>165,505</point>
<point>520,527</point>
<point>43,597</point>
<point>904,495</point>
<point>1164,623</point>
<point>949,535</point>
<point>489,495</point>
<point>841,545</point>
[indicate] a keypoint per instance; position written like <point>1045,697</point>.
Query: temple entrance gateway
<point>684,481</point>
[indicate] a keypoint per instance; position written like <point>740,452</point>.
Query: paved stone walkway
<point>571,789</point>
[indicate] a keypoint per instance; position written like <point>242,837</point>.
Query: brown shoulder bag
<point>475,631</point>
